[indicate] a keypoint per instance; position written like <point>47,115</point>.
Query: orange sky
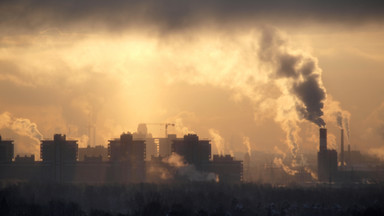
<point>202,70</point>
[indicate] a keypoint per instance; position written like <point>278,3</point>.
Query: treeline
<point>188,199</point>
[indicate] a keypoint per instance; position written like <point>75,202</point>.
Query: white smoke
<point>335,112</point>
<point>279,152</point>
<point>313,174</point>
<point>23,127</point>
<point>217,140</point>
<point>270,63</point>
<point>186,170</point>
<point>82,141</point>
<point>180,123</point>
<point>247,143</point>
<point>279,163</point>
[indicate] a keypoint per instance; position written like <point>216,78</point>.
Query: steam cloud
<point>217,140</point>
<point>248,145</point>
<point>83,141</point>
<point>279,162</point>
<point>187,170</point>
<point>303,94</point>
<point>180,123</point>
<point>342,118</point>
<point>22,127</point>
<point>295,73</point>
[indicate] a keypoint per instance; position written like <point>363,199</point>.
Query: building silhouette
<point>165,145</point>
<point>125,161</point>
<point>227,168</point>
<point>193,150</point>
<point>91,152</point>
<point>60,155</point>
<point>326,160</point>
<point>127,158</point>
<point>6,151</point>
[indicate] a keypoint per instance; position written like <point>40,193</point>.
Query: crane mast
<point>166,125</point>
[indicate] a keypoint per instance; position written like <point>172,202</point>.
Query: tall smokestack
<point>323,139</point>
<point>349,155</point>
<point>342,148</point>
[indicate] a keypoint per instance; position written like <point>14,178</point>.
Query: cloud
<point>118,15</point>
<point>23,127</point>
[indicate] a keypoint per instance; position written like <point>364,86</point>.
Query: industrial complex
<point>124,161</point>
<point>136,157</point>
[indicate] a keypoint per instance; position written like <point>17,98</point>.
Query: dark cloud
<point>339,119</point>
<point>302,71</point>
<point>287,65</point>
<point>312,95</point>
<point>88,15</point>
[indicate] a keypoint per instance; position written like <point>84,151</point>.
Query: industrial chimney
<point>323,139</point>
<point>342,148</point>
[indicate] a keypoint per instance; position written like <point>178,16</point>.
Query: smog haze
<point>248,75</point>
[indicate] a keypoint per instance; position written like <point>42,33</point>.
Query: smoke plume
<point>279,162</point>
<point>217,140</point>
<point>83,141</point>
<point>248,145</point>
<point>339,119</point>
<point>300,74</point>
<point>187,170</point>
<point>334,112</point>
<point>180,120</point>
<point>22,127</point>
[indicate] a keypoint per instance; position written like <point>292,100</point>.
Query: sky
<point>248,75</point>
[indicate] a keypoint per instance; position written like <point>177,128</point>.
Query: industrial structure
<point>126,159</point>
<point>326,159</point>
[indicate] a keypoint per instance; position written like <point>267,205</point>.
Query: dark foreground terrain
<point>189,199</point>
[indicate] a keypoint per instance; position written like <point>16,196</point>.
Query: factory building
<point>326,160</point>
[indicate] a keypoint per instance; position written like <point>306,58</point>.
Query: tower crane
<point>166,125</point>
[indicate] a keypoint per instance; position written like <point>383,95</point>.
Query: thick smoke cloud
<point>304,78</point>
<point>28,15</point>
